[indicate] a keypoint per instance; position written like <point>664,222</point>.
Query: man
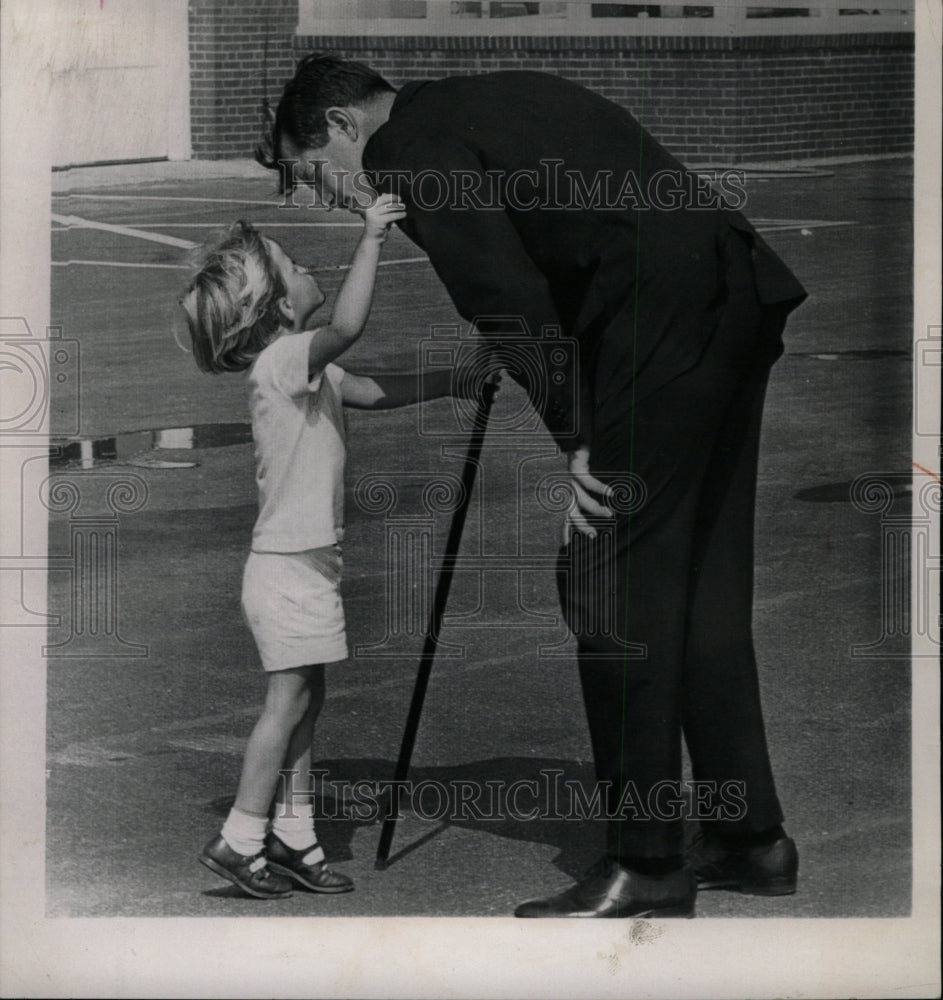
<point>537,199</point>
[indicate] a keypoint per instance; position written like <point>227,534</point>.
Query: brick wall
<point>723,99</point>
<point>238,50</point>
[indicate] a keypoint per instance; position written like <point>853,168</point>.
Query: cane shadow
<point>478,796</point>
<point>542,814</point>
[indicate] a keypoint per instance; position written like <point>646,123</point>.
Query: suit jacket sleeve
<point>480,259</point>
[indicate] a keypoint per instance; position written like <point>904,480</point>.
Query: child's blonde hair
<point>232,304</point>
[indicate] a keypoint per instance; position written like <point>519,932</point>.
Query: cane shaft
<point>439,602</point>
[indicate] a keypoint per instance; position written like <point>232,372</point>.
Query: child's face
<point>303,295</point>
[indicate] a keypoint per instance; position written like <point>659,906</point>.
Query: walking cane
<point>435,620</point>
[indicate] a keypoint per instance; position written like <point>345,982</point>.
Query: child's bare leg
<point>238,853</point>
<point>286,705</point>
<point>294,800</point>
<point>293,848</point>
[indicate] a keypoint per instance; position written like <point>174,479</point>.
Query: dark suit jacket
<point>638,285</point>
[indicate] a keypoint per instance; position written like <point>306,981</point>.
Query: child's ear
<point>286,309</point>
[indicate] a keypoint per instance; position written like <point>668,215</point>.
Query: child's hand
<point>378,218</point>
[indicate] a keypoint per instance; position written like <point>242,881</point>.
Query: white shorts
<point>293,609</point>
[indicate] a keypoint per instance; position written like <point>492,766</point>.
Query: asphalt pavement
<point>145,737</point>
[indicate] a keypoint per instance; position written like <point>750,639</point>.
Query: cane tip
<point>381,865</point>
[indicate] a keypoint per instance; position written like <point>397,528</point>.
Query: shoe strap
<point>314,857</point>
<point>257,865</point>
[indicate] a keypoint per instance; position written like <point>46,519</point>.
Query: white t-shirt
<point>299,430</point>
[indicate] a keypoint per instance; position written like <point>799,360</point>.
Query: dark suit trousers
<point>661,601</point>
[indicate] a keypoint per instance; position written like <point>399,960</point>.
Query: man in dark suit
<point>538,199</point>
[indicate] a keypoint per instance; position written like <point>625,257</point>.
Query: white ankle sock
<point>245,834</point>
<point>295,831</point>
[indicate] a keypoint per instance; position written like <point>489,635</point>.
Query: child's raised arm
<point>352,306</point>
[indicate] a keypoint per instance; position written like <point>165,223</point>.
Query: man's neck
<point>376,113</point>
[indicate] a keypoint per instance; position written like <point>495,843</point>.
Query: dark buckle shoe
<point>768,870</point>
<point>307,867</point>
<point>609,890</point>
<point>250,873</point>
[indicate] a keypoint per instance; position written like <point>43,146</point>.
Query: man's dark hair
<point>320,82</point>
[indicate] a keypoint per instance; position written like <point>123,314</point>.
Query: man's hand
<point>475,370</point>
<point>582,484</point>
<point>378,218</point>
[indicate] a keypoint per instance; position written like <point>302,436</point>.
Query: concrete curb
<point>155,172</point>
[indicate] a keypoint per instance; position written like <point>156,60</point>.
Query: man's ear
<point>340,120</point>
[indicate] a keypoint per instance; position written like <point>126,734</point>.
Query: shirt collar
<point>405,94</point>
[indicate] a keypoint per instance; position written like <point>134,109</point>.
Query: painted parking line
<point>784,225</point>
<point>143,232</point>
<point>276,202</point>
<point>118,263</point>
<point>383,263</point>
<point>258,225</point>
<point>188,267</point>
<point>77,222</point>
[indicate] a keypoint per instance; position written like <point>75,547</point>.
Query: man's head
<point>326,114</point>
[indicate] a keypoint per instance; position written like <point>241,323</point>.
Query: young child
<point>250,307</point>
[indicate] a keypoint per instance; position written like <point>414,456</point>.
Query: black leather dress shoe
<point>307,867</point>
<point>250,873</point>
<point>609,890</point>
<point>768,870</point>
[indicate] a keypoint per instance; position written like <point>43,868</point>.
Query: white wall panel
<point>121,81</point>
